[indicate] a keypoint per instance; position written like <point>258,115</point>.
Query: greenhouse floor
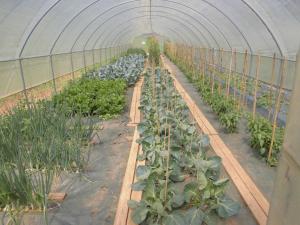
<point>92,197</point>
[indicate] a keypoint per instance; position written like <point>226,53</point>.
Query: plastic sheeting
<point>31,28</point>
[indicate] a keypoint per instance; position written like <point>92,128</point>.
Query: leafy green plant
<point>261,135</point>
<point>230,120</point>
<point>128,68</point>
<point>181,184</point>
<point>93,97</point>
<point>265,100</point>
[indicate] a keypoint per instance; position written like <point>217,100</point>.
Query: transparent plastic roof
<point>32,28</point>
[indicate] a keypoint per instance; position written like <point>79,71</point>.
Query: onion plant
<point>36,143</point>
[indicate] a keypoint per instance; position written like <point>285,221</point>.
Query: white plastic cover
<point>31,28</point>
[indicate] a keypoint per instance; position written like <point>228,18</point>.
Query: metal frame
<point>134,18</point>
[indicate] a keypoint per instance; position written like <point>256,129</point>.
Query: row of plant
<point>180,181</point>
<point>103,93</point>
<point>92,96</point>
<point>225,107</point>
<point>40,140</point>
<point>230,112</point>
<point>127,67</point>
<point>136,51</point>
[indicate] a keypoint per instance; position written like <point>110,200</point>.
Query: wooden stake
<point>213,72</point>
<point>229,76</point>
<point>234,77</point>
<point>256,83</point>
<point>242,81</point>
<point>272,86</point>
<point>277,107</point>
<point>220,70</point>
<point>167,171</point>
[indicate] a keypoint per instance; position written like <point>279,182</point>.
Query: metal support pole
<point>23,81</point>
<point>72,66</point>
<point>109,54</point>
<point>100,57</point>
<point>52,72</point>
<point>94,66</point>
<point>84,61</point>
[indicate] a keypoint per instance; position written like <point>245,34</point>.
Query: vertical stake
<point>272,85</point>
<point>256,84</point>
<point>84,61</point>
<point>94,66</point>
<point>72,65</point>
<point>52,72</point>
<point>23,82</point>
<point>235,76</point>
<point>229,76</point>
<point>277,107</point>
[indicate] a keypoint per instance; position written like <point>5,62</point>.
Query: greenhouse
<point>150,112</point>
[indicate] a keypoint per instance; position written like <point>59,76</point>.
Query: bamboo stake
<point>242,81</point>
<point>272,86</point>
<point>229,76</point>
<point>246,78</point>
<point>204,65</point>
<point>256,83</point>
<point>234,77</point>
<point>277,108</point>
<point>213,72</point>
<point>220,70</point>
<point>167,170</point>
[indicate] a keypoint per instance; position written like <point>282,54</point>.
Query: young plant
<point>180,183</point>
<point>261,135</point>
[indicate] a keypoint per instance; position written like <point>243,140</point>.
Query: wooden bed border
<point>123,213</point>
<point>252,196</point>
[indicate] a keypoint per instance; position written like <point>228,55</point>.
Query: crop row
<point>180,181</point>
<point>230,111</point>
<point>40,140</point>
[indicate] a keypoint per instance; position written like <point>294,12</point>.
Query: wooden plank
<point>135,103</point>
<point>122,209</point>
<point>129,177</point>
<point>57,197</point>
<point>252,196</point>
<point>135,195</point>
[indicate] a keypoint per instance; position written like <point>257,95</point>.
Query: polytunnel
<point>76,83</point>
